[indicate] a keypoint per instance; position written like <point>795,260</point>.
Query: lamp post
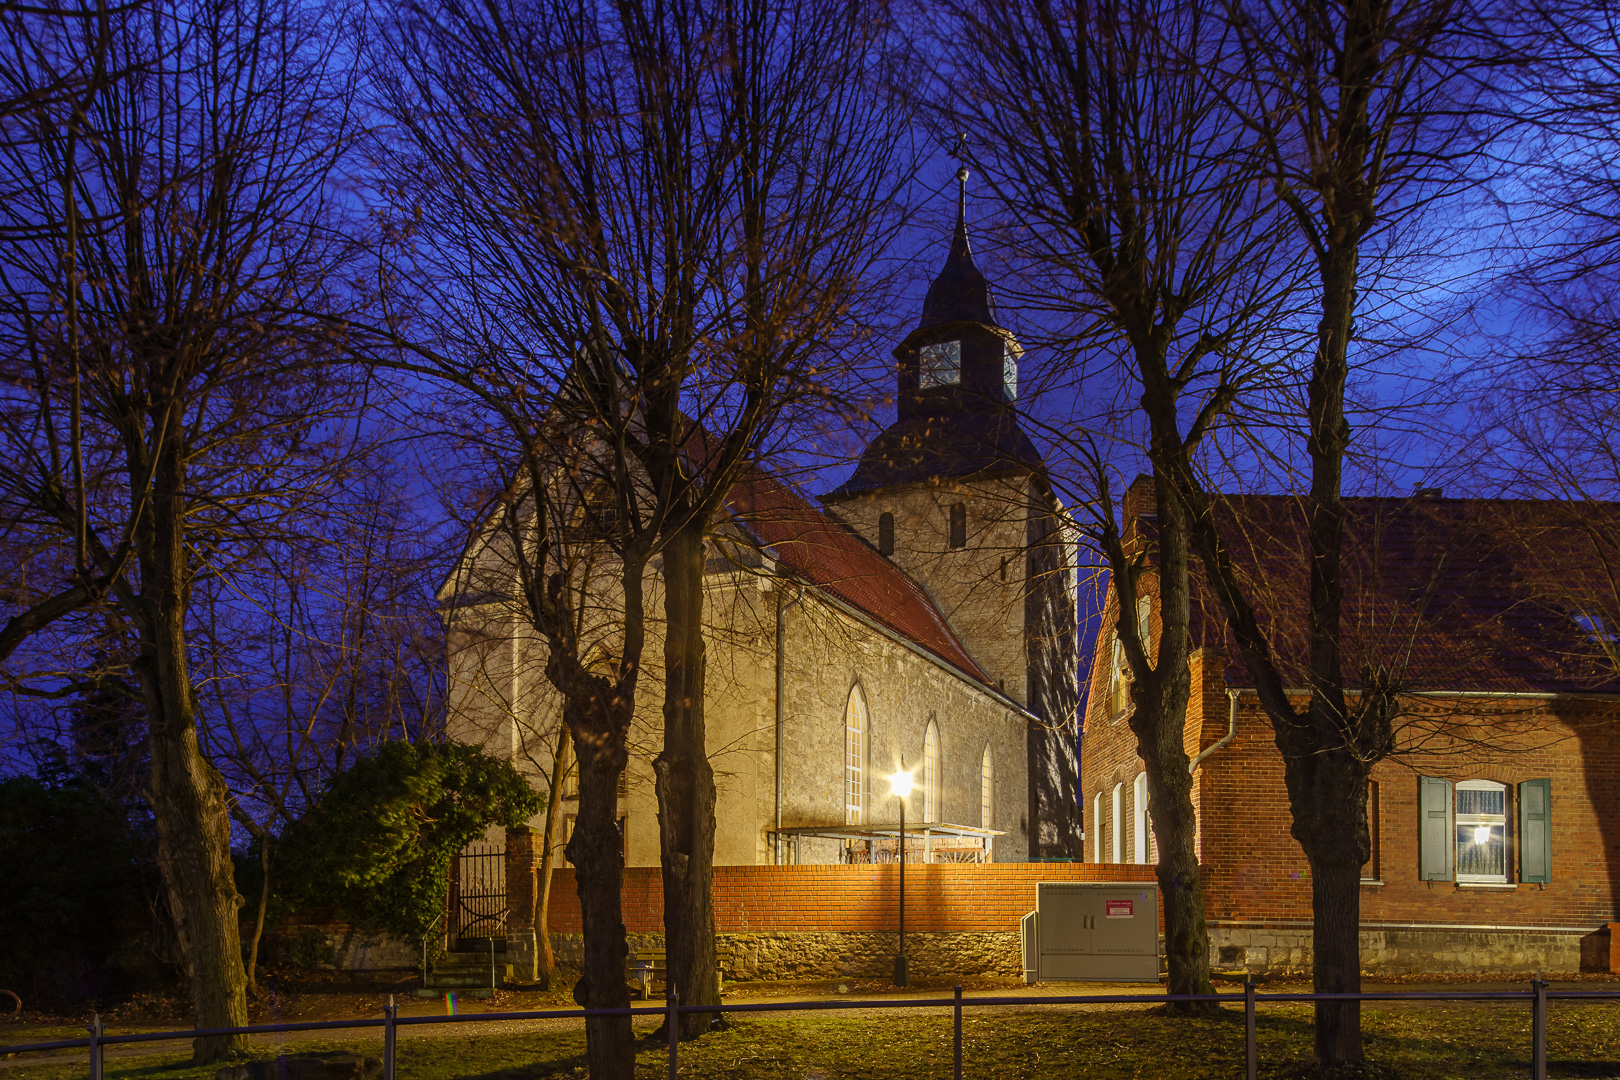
<point>900,784</point>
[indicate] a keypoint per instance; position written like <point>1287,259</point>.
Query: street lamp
<point>900,785</point>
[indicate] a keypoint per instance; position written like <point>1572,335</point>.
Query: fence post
<point>673,1023</point>
<point>1538,1028</point>
<point>958,1033</point>
<point>492,964</point>
<point>1251,1051</point>
<point>390,1011</point>
<point>96,1031</point>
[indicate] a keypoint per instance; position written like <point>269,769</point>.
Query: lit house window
<point>941,364</point>
<point>931,773</point>
<point>1139,818</point>
<point>854,757</point>
<point>1481,831</point>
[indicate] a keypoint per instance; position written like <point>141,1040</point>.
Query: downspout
<point>781,689</point>
<point>1231,732</point>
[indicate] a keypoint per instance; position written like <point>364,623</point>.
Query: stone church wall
<point>499,698</point>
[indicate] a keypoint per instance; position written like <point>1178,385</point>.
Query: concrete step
<point>433,992</point>
<point>454,980</point>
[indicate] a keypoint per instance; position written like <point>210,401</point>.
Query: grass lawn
<point>1472,1041</point>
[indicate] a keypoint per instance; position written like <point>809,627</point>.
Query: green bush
<point>378,844</point>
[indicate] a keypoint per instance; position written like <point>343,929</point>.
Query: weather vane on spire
<point>961,180</point>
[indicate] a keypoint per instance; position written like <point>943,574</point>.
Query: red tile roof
<point>1452,594</point>
<point>830,556</point>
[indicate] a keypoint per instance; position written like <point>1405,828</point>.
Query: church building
<point>922,618</point>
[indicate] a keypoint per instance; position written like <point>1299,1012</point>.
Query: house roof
<point>1486,595</point>
<point>831,557</point>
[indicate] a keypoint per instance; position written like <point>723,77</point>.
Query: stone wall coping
<point>1305,924</point>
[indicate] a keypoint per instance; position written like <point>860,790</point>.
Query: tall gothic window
<point>987,790</point>
<point>855,757</point>
<point>1009,372</point>
<point>885,534</point>
<point>958,525</point>
<point>941,364</point>
<point>931,772</point>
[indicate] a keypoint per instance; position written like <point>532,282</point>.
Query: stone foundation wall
<point>1401,951</point>
<point>832,955</point>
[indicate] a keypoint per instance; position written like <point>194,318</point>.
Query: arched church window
<point>958,525</point>
<point>885,534</point>
<point>941,364</point>
<point>1009,372</point>
<point>931,772</point>
<point>987,790</point>
<point>855,757</point>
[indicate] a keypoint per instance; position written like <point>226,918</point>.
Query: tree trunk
<point>264,902</point>
<point>187,793</point>
<point>1160,694</point>
<point>685,786</point>
<point>1336,962</point>
<point>597,852</point>
<point>548,858</point>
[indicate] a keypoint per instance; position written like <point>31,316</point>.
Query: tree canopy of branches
<point>161,410</point>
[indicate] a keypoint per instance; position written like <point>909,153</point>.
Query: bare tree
<point>1129,186</point>
<point>688,198</point>
<point>1360,111</point>
<point>158,401</point>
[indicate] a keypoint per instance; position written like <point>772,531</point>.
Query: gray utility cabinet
<point>1102,931</point>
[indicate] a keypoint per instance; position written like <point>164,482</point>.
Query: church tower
<point>955,494</point>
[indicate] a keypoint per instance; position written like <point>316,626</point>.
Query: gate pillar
<point>522,951</point>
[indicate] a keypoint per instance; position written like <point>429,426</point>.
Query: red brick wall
<point>1255,870</point>
<point>940,898</point>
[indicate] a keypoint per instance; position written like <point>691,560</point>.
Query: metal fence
<point>1537,997</point>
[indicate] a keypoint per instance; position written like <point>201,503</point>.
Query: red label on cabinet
<point>1120,909</point>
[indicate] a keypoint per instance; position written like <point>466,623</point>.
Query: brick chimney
<point>1140,500</point>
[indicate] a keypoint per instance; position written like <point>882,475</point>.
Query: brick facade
<point>1257,880</point>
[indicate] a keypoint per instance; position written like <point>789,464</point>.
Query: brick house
<point>1496,825</point>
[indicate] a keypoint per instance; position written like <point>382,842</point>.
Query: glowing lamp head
<point>1482,835</point>
<point>900,784</point>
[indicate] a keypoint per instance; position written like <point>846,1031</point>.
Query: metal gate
<point>478,894</point>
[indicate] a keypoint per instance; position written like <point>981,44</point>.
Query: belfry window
<point>941,364</point>
<point>958,537</point>
<point>885,534</point>
<point>1009,372</point>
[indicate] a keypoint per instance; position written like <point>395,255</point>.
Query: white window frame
<point>1096,827</point>
<point>1118,824</point>
<point>1139,818</point>
<point>939,364</point>
<point>931,772</point>
<point>1481,821</point>
<point>856,724</point>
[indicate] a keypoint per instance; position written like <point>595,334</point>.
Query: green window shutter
<point>1535,831</point>
<point>1437,837</point>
